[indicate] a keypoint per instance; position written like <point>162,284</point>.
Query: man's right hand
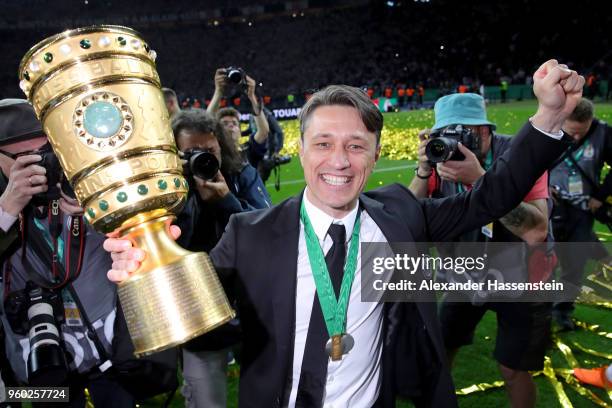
<point>26,179</point>
<point>127,259</point>
<point>220,80</point>
<point>558,90</point>
<point>423,163</point>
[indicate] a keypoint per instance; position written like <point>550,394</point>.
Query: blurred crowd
<point>439,44</point>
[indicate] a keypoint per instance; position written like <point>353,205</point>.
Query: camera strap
<point>48,252</point>
<point>91,331</point>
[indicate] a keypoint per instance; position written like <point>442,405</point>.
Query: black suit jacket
<point>257,260</point>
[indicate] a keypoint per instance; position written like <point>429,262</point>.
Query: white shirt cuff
<point>6,220</point>
<point>557,135</point>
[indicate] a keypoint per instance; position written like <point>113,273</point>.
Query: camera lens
<point>440,149</point>
<point>234,75</point>
<point>204,165</point>
<point>46,362</point>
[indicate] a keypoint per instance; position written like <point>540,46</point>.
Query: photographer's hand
<point>594,204</point>
<point>69,205</point>
<point>422,157</point>
<point>26,179</point>
<point>212,190</point>
<point>251,86</point>
<point>263,127</point>
<point>220,83</point>
<point>419,184</point>
<point>466,171</point>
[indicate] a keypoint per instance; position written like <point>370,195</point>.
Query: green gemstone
<point>121,41</point>
<point>48,57</point>
<point>85,44</point>
<point>91,213</point>
<point>26,75</point>
<point>162,185</point>
<point>177,182</point>
<point>142,189</point>
<point>103,204</point>
<point>102,119</point>
<point>122,197</point>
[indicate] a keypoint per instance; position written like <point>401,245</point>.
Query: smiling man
<point>309,340</point>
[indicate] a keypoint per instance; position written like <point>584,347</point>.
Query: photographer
<point>523,328</point>
<point>580,198</point>
<point>53,282</point>
<point>171,101</point>
<point>220,188</point>
<point>226,78</point>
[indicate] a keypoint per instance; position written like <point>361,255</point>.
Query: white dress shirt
<point>353,381</point>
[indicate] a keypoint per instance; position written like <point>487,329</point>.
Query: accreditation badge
<point>487,230</point>
<point>71,310</point>
<point>575,184</point>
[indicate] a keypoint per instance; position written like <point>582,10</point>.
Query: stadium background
<point>295,47</point>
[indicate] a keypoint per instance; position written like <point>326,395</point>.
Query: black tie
<point>313,375</point>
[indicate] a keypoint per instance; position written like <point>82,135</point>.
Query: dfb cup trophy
<point>97,93</point>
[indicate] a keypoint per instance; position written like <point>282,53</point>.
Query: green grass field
<point>474,364</point>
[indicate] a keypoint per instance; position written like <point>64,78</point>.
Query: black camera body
<point>39,312</point>
<point>200,163</point>
<point>443,144</point>
<point>235,75</point>
<point>55,175</point>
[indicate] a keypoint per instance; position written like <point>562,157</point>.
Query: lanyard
<point>577,156</point>
<point>334,311</point>
<point>64,268</point>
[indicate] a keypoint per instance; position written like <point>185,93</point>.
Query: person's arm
<point>215,101</point>
<point>420,181</point>
<point>528,221</point>
<point>253,193</point>
<point>511,177</point>
<point>260,118</point>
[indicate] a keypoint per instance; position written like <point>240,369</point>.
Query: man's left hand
<point>212,190</point>
<point>251,85</point>
<point>466,171</point>
<point>594,204</point>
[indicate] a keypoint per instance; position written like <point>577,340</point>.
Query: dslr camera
<point>200,163</point>
<point>443,144</point>
<point>38,313</point>
<point>235,75</point>
<point>54,175</point>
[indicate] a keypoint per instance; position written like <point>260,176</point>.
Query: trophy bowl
<point>98,95</point>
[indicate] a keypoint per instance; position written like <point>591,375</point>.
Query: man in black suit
<point>273,259</point>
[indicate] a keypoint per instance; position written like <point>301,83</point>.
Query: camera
<point>235,75</point>
<point>271,162</point>
<point>38,312</point>
<point>54,174</point>
<point>443,144</point>
<point>200,163</point>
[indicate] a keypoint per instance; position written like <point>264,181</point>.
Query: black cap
<point>18,121</point>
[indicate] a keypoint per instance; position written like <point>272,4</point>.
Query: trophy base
<point>175,296</point>
<point>173,304</point>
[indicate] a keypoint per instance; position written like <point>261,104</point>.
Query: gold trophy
<point>97,93</point>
